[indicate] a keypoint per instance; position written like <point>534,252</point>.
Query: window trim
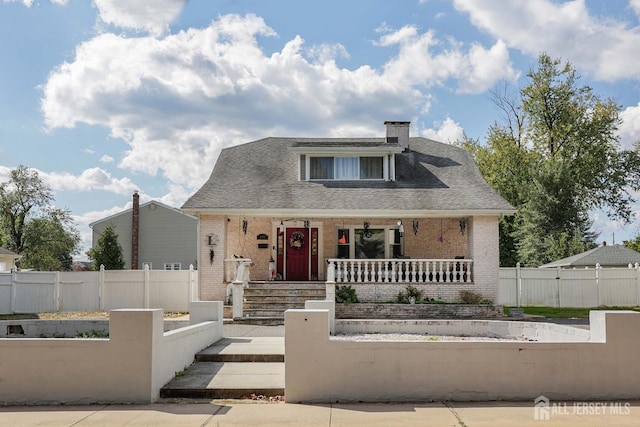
<point>388,231</point>
<point>386,161</point>
<point>172,265</point>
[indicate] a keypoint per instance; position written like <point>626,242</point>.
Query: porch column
<point>485,253</point>
<point>211,265</point>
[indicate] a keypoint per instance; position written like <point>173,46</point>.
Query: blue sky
<point>108,97</point>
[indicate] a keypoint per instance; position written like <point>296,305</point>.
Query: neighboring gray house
<point>374,210</point>
<point>606,256</point>
<point>153,234</point>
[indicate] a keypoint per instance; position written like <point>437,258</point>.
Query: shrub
<point>410,291</point>
<point>346,294</point>
<point>93,334</point>
<point>470,297</point>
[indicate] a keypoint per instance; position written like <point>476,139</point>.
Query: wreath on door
<point>296,240</point>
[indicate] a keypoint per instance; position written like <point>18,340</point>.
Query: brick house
<point>372,212</point>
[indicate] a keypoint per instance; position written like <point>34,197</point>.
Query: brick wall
<point>387,292</point>
<point>211,275</point>
<point>417,311</point>
<point>484,250</point>
<point>246,245</point>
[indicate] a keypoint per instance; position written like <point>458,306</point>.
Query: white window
<point>369,243</point>
<point>346,168</point>
<point>172,266</point>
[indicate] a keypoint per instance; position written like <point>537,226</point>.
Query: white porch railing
<point>231,266</point>
<point>400,270</point>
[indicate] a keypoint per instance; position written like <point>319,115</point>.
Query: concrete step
<point>272,305</point>
<point>286,285</point>
<point>244,349</point>
<point>284,292</point>
<point>293,302</point>
<point>264,313</point>
<point>262,320</point>
<point>232,368</point>
<point>226,380</point>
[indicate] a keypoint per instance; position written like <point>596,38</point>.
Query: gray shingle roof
<point>431,177</point>
<point>606,256</point>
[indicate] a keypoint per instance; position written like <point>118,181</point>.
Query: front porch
<point>444,254</point>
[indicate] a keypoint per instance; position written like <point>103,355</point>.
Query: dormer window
<point>346,160</point>
<point>346,168</point>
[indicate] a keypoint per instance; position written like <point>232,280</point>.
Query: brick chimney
<point>135,230</point>
<point>398,132</point>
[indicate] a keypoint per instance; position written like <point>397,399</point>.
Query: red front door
<point>297,253</point>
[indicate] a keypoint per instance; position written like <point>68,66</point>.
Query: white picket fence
<point>592,287</point>
<point>53,291</point>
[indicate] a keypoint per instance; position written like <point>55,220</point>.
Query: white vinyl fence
<point>53,291</point>
<point>586,288</point>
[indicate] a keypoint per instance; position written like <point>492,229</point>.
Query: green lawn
<point>566,312</point>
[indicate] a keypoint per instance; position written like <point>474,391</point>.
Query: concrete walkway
<point>240,413</point>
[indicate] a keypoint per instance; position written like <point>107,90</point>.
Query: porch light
<point>401,228</point>
<point>463,225</point>
<point>415,227</point>
<point>281,227</point>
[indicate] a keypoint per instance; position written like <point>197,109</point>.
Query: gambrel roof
<point>432,178</point>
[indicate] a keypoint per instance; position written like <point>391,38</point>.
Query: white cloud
<point>635,6</point>
<point>177,101</point>
<point>424,61</point>
<point>327,53</point>
<point>5,173</point>
<point>607,49</point>
<point>152,16</point>
<point>29,3</point>
<point>106,159</point>
<point>629,130</point>
<point>447,131</point>
<point>89,180</point>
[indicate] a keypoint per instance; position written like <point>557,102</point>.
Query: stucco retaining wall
<point>129,367</point>
<point>318,369</point>
<point>43,328</point>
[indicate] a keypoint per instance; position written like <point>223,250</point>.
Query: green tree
<point>23,194</point>
<point>51,241</point>
<point>633,244</point>
<point>107,251</point>
<point>556,157</point>
<point>44,235</point>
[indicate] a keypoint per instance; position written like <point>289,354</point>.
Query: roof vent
<point>398,133</point>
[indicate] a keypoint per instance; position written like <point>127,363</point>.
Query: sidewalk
<point>240,413</point>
